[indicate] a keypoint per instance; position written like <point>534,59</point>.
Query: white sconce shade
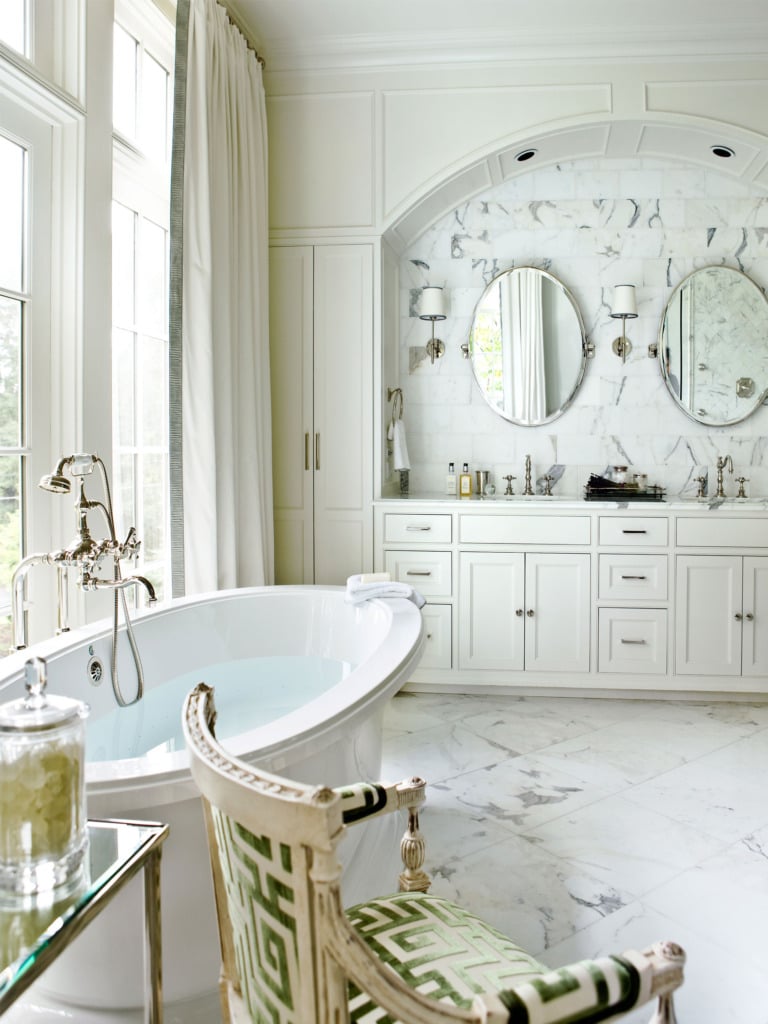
<point>433,308</point>
<point>624,302</point>
<point>624,308</point>
<point>432,304</point>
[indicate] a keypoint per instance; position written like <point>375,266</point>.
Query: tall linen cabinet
<point>321,356</point>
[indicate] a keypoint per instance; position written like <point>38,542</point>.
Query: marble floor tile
<point>585,827</point>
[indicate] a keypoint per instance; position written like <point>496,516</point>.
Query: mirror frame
<point>585,348</point>
<point>691,414</point>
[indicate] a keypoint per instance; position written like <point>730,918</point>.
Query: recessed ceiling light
<point>524,155</point>
<point>723,151</point>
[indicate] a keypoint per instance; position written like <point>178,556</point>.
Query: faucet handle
<point>702,482</point>
<point>741,480</point>
<point>509,478</point>
<point>548,486</point>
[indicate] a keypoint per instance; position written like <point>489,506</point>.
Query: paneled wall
<point>593,224</point>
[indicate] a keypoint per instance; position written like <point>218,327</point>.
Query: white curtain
<point>525,395</point>
<point>226,467</point>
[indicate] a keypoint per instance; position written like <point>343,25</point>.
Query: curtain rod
<point>235,22</point>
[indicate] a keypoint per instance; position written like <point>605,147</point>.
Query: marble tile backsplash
<point>592,225</point>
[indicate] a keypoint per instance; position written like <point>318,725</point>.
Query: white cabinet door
<point>557,612</point>
<point>709,611</point>
<point>321,351</point>
<point>524,611</point>
<point>491,610</point>
<point>754,659</point>
<point>291,342</point>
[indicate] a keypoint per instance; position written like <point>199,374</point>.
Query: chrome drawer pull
<point>418,572</point>
<point>634,577</point>
<point>418,529</point>
<point>633,641</point>
<point>634,531</point>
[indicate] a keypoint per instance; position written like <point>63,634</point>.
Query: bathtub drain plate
<point>95,671</point>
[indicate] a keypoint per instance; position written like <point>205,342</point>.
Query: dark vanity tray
<point>623,492</point>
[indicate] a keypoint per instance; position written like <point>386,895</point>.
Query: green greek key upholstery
<point>292,955</point>
<point>436,948</point>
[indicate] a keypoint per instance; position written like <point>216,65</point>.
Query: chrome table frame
<point>75,908</point>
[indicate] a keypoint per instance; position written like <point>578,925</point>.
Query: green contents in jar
<point>40,800</point>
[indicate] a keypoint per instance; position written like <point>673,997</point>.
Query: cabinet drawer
<point>713,531</point>
<point>632,640</point>
<point>437,625</point>
<point>429,572</point>
<point>637,531</point>
<point>495,529</point>
<point>407,529</point>
<point>642,577</point>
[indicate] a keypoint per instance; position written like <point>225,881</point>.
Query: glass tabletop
<point>35,928</point>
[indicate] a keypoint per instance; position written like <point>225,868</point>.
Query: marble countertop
<point>676,503</point>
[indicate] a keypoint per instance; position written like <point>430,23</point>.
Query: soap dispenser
<point>465,482</point>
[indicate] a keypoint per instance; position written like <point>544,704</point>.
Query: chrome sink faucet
<point>528,488</point>
<point>723,462</point>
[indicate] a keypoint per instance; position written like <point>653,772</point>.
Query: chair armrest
<point>363,800</point>
<point>592,990</point>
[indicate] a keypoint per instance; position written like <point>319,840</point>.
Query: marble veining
<point>592,224</point>
<point>603,825</point>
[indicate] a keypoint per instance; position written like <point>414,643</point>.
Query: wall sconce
<point>624,308</point>
<point>433,308</point>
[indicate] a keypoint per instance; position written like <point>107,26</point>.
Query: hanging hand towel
<point>399,446</point>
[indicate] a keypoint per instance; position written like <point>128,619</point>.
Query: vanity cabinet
<point>524,611</point>
<point>722,625</point>
<point>573,596</point>
<point>321,353</point>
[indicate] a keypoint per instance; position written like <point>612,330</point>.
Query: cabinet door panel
<point>708,634</point>
<point>291,376</point>
<point>557,594</point>
<point>754,659</point>
<point>492,587</point>
<point>343,442</point>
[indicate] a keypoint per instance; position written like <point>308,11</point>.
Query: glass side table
<point>34,930</point>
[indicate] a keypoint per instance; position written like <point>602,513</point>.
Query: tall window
<point>14,297</point>
<point>142,99</point>
<point>13,24</point>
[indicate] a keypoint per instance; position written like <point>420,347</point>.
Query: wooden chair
<point>292,955</point>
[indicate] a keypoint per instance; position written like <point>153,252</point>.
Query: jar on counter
<point>43,820</point>
<point>619,474</point>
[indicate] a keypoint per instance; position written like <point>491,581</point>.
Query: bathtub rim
<point>165,778</point>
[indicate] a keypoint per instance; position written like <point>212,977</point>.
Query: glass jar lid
<point>39,711</point>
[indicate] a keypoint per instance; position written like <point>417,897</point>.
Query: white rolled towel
<point>399,446</point>
<point>358,590</point>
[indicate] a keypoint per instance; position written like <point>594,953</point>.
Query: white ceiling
<point>329,33</point>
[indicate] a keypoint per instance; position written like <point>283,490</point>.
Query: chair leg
<point>413,852</point>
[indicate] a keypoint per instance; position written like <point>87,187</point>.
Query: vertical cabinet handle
<point>317,451</point>
<point>306,451</point>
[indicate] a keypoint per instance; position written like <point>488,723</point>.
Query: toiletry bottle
<point>450,480</point>
<point>465,482</point>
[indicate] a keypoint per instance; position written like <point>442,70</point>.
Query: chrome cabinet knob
<point>738,616</point>
<point>519,612</point>
<point>529,613</point>
<point>749,617</point>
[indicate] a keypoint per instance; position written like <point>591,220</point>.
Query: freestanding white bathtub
<point>301,681</point>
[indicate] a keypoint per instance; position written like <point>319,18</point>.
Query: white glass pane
<point>153,274</point>
<point>153,487</point>
<point>10,372</point>
<point>124,89</point>
<point>12,19</point>
<point>123,263</point>
<point>123,388</point>
<point>153,367</point>
<point>10,533</point>
<point>154,109</point>
<point>12,206</point>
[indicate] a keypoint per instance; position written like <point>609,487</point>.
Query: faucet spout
<point>528,485</point>
<point>723,462</point>
<point>90,582</point>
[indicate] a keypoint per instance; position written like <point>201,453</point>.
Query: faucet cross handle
<point>548,486</point>
<point>741,480</point>
<point>509,478</point>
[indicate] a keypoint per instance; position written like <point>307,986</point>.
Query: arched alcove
<point>725,148</point>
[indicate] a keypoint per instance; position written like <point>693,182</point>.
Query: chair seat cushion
<point>436,948</point>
